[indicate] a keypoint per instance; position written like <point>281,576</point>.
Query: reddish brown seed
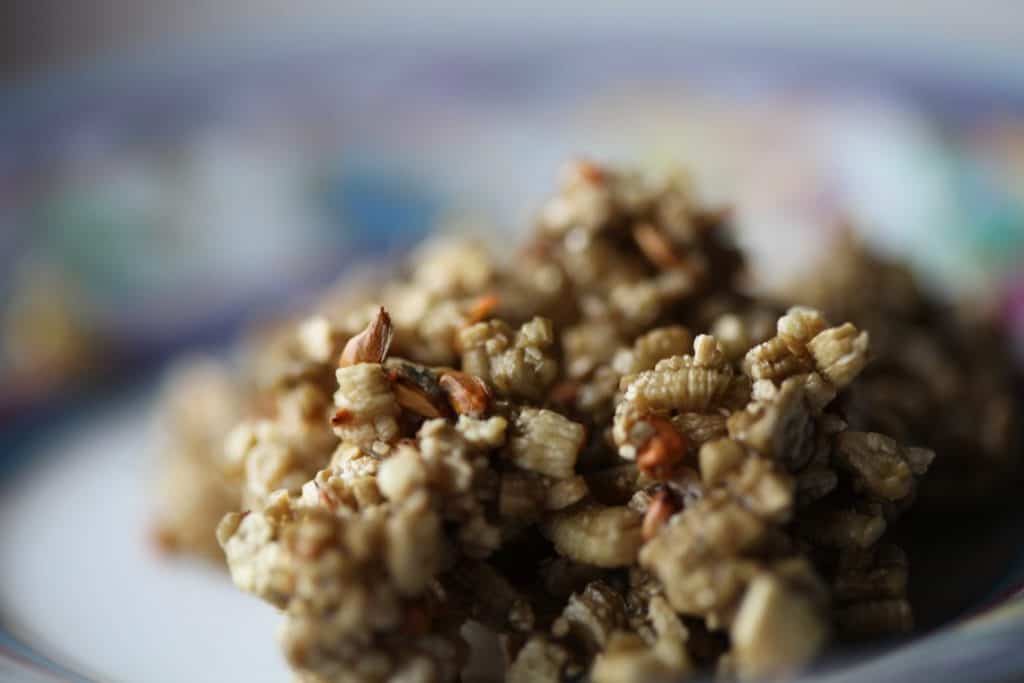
<point>482,308</point>
<point>663,451</point>
<point>343,416</point>
<point>412,398</point>
<point>588,171</point>
<point>658,512</point>
<point>371,345</point>
<point>655,246</point>
<point>467,394</point>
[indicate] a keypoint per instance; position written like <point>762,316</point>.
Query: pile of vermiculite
<point>607,455</point>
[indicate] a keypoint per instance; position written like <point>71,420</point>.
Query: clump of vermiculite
<point>604,453</point>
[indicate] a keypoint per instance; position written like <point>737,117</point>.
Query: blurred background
<point>170,171</point>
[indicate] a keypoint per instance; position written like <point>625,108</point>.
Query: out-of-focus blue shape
<point>994,222</point>
<point>380,211</point>
<point>103,247</point>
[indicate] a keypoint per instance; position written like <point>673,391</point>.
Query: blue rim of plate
<point>982,645</point>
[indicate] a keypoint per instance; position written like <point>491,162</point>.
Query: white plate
<point>80,584</point>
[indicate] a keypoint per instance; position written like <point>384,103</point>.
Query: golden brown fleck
<point>663,451</point>
<point>164,540</point>
<point>483,308</point>
<point>660,510</point>
<point>589,172</point>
